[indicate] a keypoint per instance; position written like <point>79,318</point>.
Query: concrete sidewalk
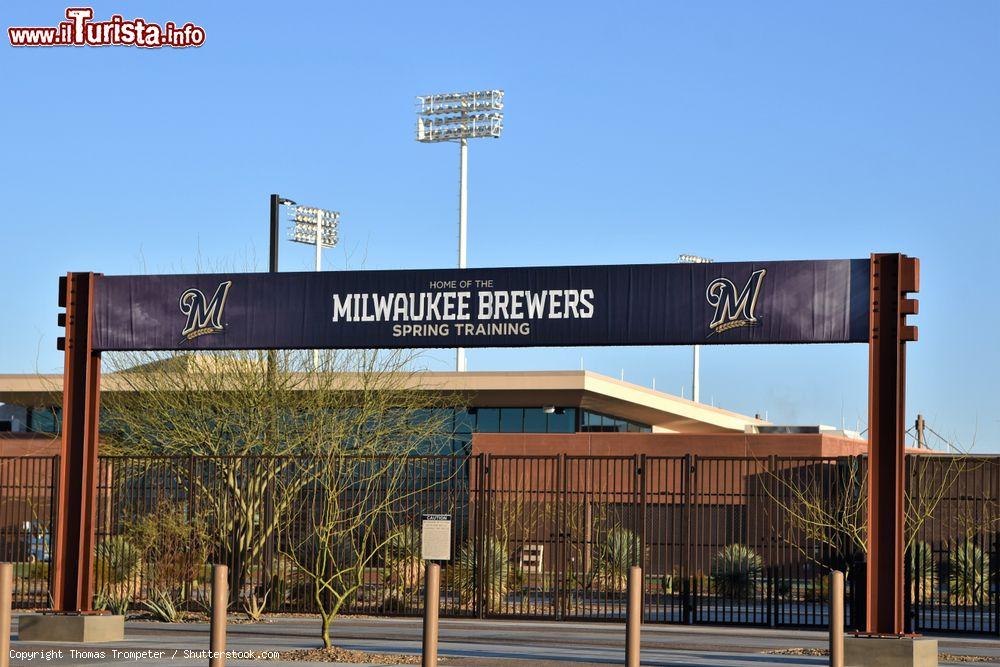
<point>465,643</point>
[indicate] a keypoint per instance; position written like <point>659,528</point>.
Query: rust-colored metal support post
<point>432,601</point>
<point>892,276</point>
<point>220,603</point>
<point>633,617</point>
<point>836,619</point>
<point>73,555</point>
<point>6,600</point>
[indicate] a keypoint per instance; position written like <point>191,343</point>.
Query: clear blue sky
<point>634,132</point>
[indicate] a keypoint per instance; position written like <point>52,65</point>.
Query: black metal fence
<point>721,540</point>
<point>27,491</point>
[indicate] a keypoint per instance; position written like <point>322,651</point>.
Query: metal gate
<point>558,534</point>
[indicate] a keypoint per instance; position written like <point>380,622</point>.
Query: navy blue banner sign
<point>645,304</point>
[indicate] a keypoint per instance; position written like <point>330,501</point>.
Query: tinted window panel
<point>535,420</point>
<point>488,420</point>
<point>511,420</point>
<point>563,423</point>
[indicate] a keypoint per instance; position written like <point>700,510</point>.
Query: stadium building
<point>510,412</point>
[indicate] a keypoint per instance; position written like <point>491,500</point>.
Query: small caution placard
<point>435,539</point>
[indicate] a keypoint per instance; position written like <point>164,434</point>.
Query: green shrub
<point>968,573</point>
<point>36,570</point>
<point>117,564</point>
<point>921,569</point>
<point>163,606</point>
<point>817,590</point>
<point>115,599</point>
<point>735,571</point>
<point>116,560</point>
<point>403,543</point>
<point>615,554</point>
<point>496,573</point>
<point>173,546</point>
<point>297,593</point>
<point>403,567</point>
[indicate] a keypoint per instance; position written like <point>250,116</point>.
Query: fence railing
<point>722,540</point>
<point>27,507</point>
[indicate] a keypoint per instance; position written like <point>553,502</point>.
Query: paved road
<point>467,643</point>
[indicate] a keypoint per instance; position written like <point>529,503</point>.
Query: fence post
<point>772,550</point>
<point>995,470</point>
<point>687,566</point>
<point>633,617</point>
<point>432,600</point>
<point>642,482</point>
<point>53,519</point>
<point>220,602</point>
<point>559,592</point>
<point>859,570</point>
<point>266,572</point>
<point>485,497</point>
<point>836,618</point>
<point>910,604</point>
<point>6,600</point>
<point>192,516</point>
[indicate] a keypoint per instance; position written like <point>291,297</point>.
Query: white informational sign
<point>435,537</point>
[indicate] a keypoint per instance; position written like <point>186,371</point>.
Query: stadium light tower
<point>316,227</point>
<point>696,362</point>
<point>459,117</point>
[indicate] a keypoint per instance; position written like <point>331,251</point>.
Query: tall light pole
<point>316,227</point>
<point>277,201</point>
<point>458,117</point>
<point>696,361</point>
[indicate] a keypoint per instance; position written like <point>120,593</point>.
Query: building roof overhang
<point>582,389</point>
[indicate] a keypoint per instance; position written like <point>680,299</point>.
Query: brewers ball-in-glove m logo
<point>203,316</point>
<point>734,308</point>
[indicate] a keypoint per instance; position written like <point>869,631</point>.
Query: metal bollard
<point>6,596</point>
<point>633,617</point>
<point>836,618</point>
<point>432,600</point>
<point>220,603</point>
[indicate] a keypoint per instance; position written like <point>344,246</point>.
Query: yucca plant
<point>968,573</point>
<point>615,554</point>
<point>116,560</point>
<point>115,601</point>
<point>496,573</point>
<point>735,571</point>
<point>116,565</point>
<point>254,606</point>
<point>403,566</point>
<point>162,606</point>
<point>921,557</point>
